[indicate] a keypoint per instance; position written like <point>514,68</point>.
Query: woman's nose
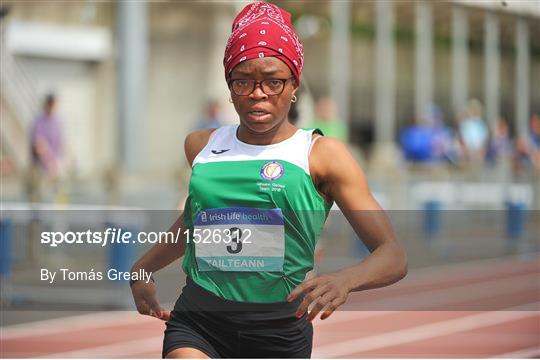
<point>258,93</point>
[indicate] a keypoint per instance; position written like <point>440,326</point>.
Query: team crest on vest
<point>272,170</point>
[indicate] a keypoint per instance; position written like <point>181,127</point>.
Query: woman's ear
<point>296,86</point>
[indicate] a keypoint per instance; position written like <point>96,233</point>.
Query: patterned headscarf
<point>263,30</point>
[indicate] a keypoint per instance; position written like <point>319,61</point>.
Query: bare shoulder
<point>331,165</point>
<point>195,142</point>
<point>325,143</point>
<point>327,155</point>
<point>338,175</point>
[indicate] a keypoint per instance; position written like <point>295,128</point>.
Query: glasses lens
<point>272,86</point>
<point>242,87</point>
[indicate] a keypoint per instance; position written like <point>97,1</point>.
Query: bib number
<point>236,239</point>
<point>244,239</point>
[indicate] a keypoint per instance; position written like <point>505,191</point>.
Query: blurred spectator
<point>327,121</point>
<point>417,143</point>
<point>430,139</point>
<point>500,145</point>
<point>47,140</point>
<point>47,149</point>
<point>473,131</point>
<point>445,146</point>
<point>212,117</point>
<point>528,147</point>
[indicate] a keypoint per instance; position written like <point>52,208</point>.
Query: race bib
<point>239,239</point>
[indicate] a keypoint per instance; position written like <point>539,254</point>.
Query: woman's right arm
<point>163,253</point>
<point>159,256</point>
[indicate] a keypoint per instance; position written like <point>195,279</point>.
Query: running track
<point>448,311</point>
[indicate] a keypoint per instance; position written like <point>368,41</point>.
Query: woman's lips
<point>259,116</point>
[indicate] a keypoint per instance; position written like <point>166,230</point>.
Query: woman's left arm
<point>341,179</point>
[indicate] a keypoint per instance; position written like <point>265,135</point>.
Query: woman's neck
<point>274,135</point>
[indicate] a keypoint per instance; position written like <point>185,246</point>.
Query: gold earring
<point>230,100</point>
<point>293,100</point>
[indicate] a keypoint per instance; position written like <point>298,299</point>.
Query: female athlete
<point>259,194</point>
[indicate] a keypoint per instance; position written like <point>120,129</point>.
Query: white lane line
<point>107,318</point>
<point>74,323</point>
<point>532,352</point>
<point>442,299</point>
<point>472,269</point>
<point>124,349</point>
<point>422,301</point>
<point>477,273</point>
<point>129,348</point>
<point>432,300</point>
<point>419,301</point>
<point>133,347</point>
<point>422,332</point>
<point>340,316</point>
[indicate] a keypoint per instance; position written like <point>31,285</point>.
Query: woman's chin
<point>260,126</point>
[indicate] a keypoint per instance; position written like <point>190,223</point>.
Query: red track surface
<point>441,312</point>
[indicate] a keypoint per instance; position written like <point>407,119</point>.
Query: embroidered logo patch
<point>272,170</point>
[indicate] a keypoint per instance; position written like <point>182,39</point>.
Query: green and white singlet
<point>254,217</point>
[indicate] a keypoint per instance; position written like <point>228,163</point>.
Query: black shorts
<point>229,329</point>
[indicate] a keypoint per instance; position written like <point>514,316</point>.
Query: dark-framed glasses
<point>244,87</point>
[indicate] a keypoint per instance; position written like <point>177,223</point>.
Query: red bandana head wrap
<point>263,30</point>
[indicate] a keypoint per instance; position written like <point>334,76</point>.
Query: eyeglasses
<point>244,87</point>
